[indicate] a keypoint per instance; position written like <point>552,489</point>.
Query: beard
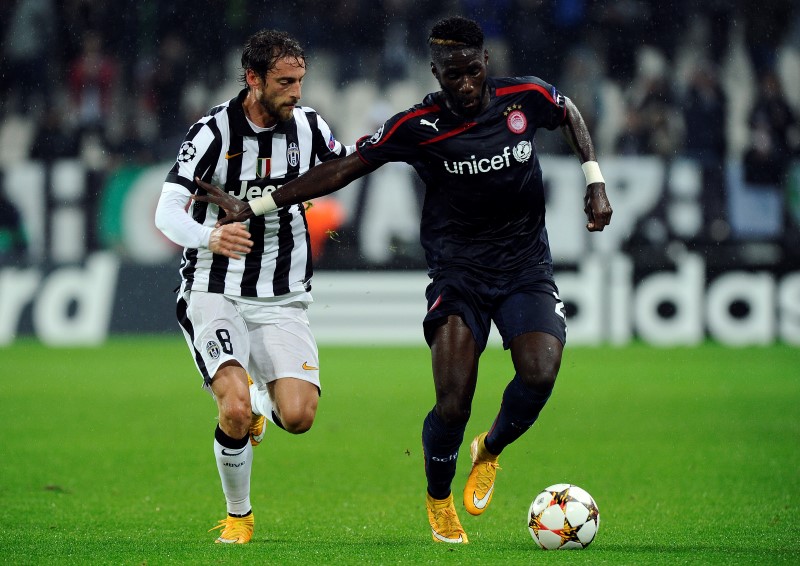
<point>277,109</point>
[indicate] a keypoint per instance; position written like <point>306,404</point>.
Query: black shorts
<point>528,303</point>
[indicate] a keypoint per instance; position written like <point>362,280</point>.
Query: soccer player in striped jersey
<point>246,286</point>
<point>485,242</point>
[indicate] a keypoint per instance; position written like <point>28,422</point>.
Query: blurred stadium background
<point>693,108</point>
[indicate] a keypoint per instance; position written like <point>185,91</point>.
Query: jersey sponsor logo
<point>523,151</point>
<point>248,190</point>
<point>232,155</point>
<point>263,167</point>
<point>187,152</point>
<point>307,367</point>
<point>433,125</point>
<point>213,349</point>
<point>474,166</point>
<point>293,154</point>
<point>332,143</point>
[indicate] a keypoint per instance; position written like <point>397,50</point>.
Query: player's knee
<point>298,421</point>
<point>541,378</point>
<point>453,412</point>
<point>236,418</point>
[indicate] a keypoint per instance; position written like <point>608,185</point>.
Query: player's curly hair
<point>454,32</point>
<point>264,48</point>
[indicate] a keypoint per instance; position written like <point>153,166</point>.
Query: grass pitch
<point>692,454</point>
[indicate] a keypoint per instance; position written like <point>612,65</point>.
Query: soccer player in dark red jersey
<point>485,242</point>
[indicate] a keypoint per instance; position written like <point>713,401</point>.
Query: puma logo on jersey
<point>424,122</point>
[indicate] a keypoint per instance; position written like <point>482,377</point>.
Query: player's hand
<point>230,240</point>
<point>235,209</point>
<point>597,208</point>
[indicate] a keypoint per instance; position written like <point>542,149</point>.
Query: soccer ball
<point>563,516</point>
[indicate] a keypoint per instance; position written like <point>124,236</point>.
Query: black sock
<point>229,442</point>
<point>520,409</point>
<point>440,445</point>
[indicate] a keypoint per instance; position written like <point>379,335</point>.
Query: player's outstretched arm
<point>318,181</point>
<point>595,202</point>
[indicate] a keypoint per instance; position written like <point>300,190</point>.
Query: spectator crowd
<point>113,86</point>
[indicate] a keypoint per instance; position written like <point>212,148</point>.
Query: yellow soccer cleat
<point>235,530</point>
<point>445,526</point>
<point>480,483</point>
<point>258,424</point>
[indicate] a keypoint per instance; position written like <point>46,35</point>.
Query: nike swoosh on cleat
<point>231,155</point>
<point>225,453</point>
<point>481,503</point>
<point>308,367</point>
<point>445,539</point>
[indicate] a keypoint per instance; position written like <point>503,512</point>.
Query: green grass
<point>693,456</point>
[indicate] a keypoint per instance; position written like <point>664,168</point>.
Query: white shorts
<point>269,341</point>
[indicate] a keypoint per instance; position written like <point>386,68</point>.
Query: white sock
<point>261,403</point>
<point>234,465</point>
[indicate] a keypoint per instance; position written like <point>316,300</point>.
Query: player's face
<point>462,75</point>
<point>280,89</point>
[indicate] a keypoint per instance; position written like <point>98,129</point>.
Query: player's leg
<point>258,423</point>
<point>295,403</point>
<point>537,359</point>
<point>456,329</point>
<point>233,451</point>
<point>285,363</point>
<point>455,356</point>
<point>218,340</point>
<point>533,327</point>
<point>532,324</point>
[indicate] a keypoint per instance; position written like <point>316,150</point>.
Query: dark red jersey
<point>484,202</point>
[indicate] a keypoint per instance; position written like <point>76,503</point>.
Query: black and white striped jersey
<point>223,148</point>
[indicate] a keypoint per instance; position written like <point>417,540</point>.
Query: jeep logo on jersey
<point>293,154</point>
<point>522,151</point>
<point>248,190</point>
<point>213,349</point>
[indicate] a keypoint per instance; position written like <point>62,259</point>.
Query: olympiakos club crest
<point>516,121</point>
<point>293,154</point>
<point>263,167</point>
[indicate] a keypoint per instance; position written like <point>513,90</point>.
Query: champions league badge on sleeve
<point>187,152</point>
<point>515,119</point>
